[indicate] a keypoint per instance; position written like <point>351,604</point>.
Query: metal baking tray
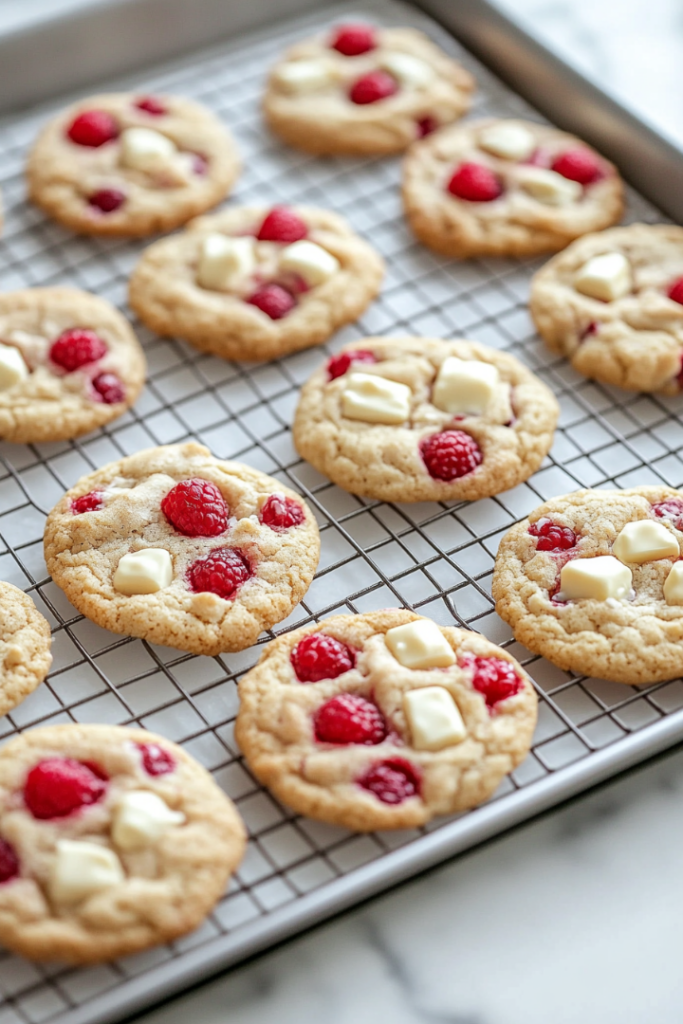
<point>435,558</point>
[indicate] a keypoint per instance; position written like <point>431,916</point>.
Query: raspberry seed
<point>318,656</point>
<point>349,718</point>
<point>196,508</point>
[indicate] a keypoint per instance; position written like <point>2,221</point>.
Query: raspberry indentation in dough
<point>196,508</point>
<point>151,105</point>
<point>671,509</point>
<point>156,760</point>
<point>58,786</point>
<point>222,573</point>
<point>109,388</point>
<point>577,165</point>
<point>450,455</point>
<point>426,125</point>
<point>352,40</point>
<point>91,502</point>
<point>77,347</point>
<point>475,183</point>
<point>337,366</point>
<point>494,678</point>
<point>281,513</point>
<point>9,862</point>
<point>552,536</point>
<point>392,781</point>
<point>273,300</point>
<point>373,87</point>
<point>93,128</point>
<point>675,291</point>
<point>318,656</point>
<point>349,718</point>
<point>282,225</point>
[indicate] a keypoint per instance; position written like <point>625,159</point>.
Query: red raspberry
<point>107,199</point>
<point>222,572</point>
<point>196,508</point>
<point>370,88</point>
<point>671,509</point>
<point>426,125</point>
<point>337,366</point>
<point>151,105</point>
<point>352,40</point>
<point>450,455</point>
<point>349,719</point>
<point>592,328</point>
<point>551,536</point>
<point>109,387</point>
<point>77,347</point>
<point>675,292</point>
<point>474,182</point>
<point>9,862</point>
<point>58,786</point>
<point>578,165</point>
<point>93,128</point>
<point>273,300</point>
<point>392,781</point>
<point>280,513</point>
<point>91,502</point>
<point>156,760</point>
<point>318,656</point>
<point>282,225</point>
<point>494,678</point>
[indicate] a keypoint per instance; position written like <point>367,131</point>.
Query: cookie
<point>384,720</point>
<point>25,640</point>
<point>69,363</point>
<point>122,164</point>
<point>420,419</point>
<point>182,549</point>
<point>111,840</point>
<point>507,188</point>
<point>252,283</point>
<point>364,90</point>
<point>612,304</point>
<point>593,581</point>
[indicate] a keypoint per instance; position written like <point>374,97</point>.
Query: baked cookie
<point>111,840</point>
<point>69,362</point>
<point>507,188</point>
<point>122,164</point>
<point>384,720</point>
<point>420,419</point>
<point>612,303</point>
<point>364,90</point>
<point>25,640</point>
<point>182,549</point>
<point>252,283</point>
<point>593,581</point>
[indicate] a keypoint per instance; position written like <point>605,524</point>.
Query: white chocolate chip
<point>301,76</point>
<point>465,385</point>
<point>607,277</point>
<point>143,572</point>
<point>508,141</point>
<point>409,70</point>
<point>673,585</point>
<point>434,718</point>
<point>597,578</point>
<point>315,264</point>
<point>375,399</point>
<point>644,541</point>
<point>81,868</point>
<point>548,187</point>
<point>141,818</point>
<point>420,644</point>
<point>222,259</point>
<point>144,149</point>
<point>13,369</point>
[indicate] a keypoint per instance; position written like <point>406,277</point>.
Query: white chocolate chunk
<point>12,367</point>
<point>549,187</point>
<point>375,399</point>
<point>645,540</point>
<point>315,264</point>
<point>598,578</point>
<point>434,718</point>
<point>222,259</point>
<point>607,277</point>
<point>140,818</point>
<point>144,149</point>
<point>509,141</point>
<point>673,585</point>
<point>420,644</point>
<point>81,868</point>
<point>409,70</point>
<point>143,572</point>
<point>301,76</point>
<point>465,385</point>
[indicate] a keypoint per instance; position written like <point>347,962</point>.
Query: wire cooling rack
<point>434,557</point>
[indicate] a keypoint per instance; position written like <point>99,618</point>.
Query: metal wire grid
<point>434,557</point>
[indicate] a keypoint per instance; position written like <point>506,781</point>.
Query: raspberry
<point>494,678</point>
<point>93,128</point>
<point>91,502</point>
<point>222,572</point>
<point>551,536</point>
<point>151,105</point>
<point>318,656</point>
<point>9,862</point>
<point>337,366</point>
<point>280,513</point>
<point>77,347</point>
<point>196,508</point>
<point>109,387</point>
<point>370,88</point>
<point>156,760</point>
<point>474,182</point>
<point>273,300</point>
<point>675,291</point>
<point>200,164</point>
<point>349,719</point>
<point>107,199</point>
<point>352,40</point>
<point>592,328</point>
<point>450,455</point>
<point>426,125</point>
<point>671,509</point>
<point>577,165</point>
<point>58,786</point>
<point>282,225</point>
<point>392,781</point>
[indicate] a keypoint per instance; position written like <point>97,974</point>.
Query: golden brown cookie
<point>25,641</point>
